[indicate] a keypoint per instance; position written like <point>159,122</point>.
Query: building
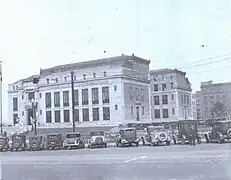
<point>215,100</point>
<point>194,107</point>
<point>109,90</point>
<point>198,105</point>
<point>170,94</point>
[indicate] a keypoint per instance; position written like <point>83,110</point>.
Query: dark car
<point>127,136</point>
<point>18,142</point>
<point>4,143</point>
<point>54,141</point>
<point>36,143</point>
<point>221,131</point>
<point>185,132</point>
<point>73,140</point>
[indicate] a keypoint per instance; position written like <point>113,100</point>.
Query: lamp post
<point>34,103</point>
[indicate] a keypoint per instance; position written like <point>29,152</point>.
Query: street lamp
<point>34,103</point>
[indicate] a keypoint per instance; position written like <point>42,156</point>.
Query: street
<point>201,162</point>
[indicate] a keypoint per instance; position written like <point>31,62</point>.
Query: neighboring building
<point>194,107</point>
<point>198,105</point>
<point>170,93</point>
<point>215,99</point>
<point>109,90</point>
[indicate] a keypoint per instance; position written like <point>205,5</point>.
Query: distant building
<point>194,107</point>
<point>107,91</point>
<point>215,99</point>
<point>198,105</point>
<point>170,93</point>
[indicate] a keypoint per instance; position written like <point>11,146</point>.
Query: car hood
<point>94,137</point>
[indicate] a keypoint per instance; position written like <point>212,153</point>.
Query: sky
<point>170,33</point>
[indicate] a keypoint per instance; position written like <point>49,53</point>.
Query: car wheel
<point>137,144</point>
<point>174,140</point>
<point>105,145</point>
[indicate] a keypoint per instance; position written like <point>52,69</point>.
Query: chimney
<point>122,54</point>
<point>132,54</point>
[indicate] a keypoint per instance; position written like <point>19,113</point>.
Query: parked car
<point>127,136</point>
<point>18,142</point>
<point>4,143</point>
<point>54,141</point>
<point>73,140</point>
<point>156,135</point>
<point>36,143</point>
<point>221,131</point>
<point>97,140</point>
<point>185,131</point>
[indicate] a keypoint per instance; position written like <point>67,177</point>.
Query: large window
<point>137,94</point>
<point>164,87</point>
<point>142,95</point>
<point>165,113</point>
<point>65,98</point>
<point>155,87</point>
<point>76,114</point>
<point>85,114</point>
<point>85,96</point>
<point>165,99</point>
<point>15,119</point>
<point>31,96</point>
<point>48,117</point>
<point>48,100</point>
<point>66,115</point>
<point>95,112</point>
<point>76,97</point>
<point>131,93</point>
<point>15,104</point>
<point>105,94</point>
<point>57,116</point>
<point>157,113</point>
<point>106,113</point>
<point>156,100</point>
<point>57,99</point>
<point>95,96</point>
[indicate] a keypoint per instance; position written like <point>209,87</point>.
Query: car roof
<point>73,133</point>
<point>128,128</point>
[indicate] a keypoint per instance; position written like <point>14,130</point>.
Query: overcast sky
<point>38,34</point>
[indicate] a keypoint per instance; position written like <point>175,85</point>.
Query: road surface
<point>183,162</point>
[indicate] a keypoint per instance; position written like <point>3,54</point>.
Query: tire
<point>137,144</point>
<point>174,140</point>
<point>167,143</point>
<point>105,145</point>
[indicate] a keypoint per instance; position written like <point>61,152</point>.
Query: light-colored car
<point>156,135</point>
<point>97,140</point>
<point>127,136</point>
<point>73,140</point>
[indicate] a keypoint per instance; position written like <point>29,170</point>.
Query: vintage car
<point>156,135</point>
<point>221,131</point>
<point>127,136</point>
<point>18,142</point>
<point>73,140</point>
<point>36,143</point>
<point>185,132</point>
<point>4,143</point>
<point>97,140</point>
<point>54,141</point>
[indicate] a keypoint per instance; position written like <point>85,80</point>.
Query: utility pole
<point>35,119</point>
<point>73,100</point>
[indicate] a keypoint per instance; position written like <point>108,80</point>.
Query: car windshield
<point>127,131</point>
<point>34,138</point>
<point>97,133</point>
<point>73,135</point>
<point>17,137</point>
<point>155,128</point>
<point>53,136</point>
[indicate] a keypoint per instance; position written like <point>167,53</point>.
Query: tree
<point>218,110</point>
